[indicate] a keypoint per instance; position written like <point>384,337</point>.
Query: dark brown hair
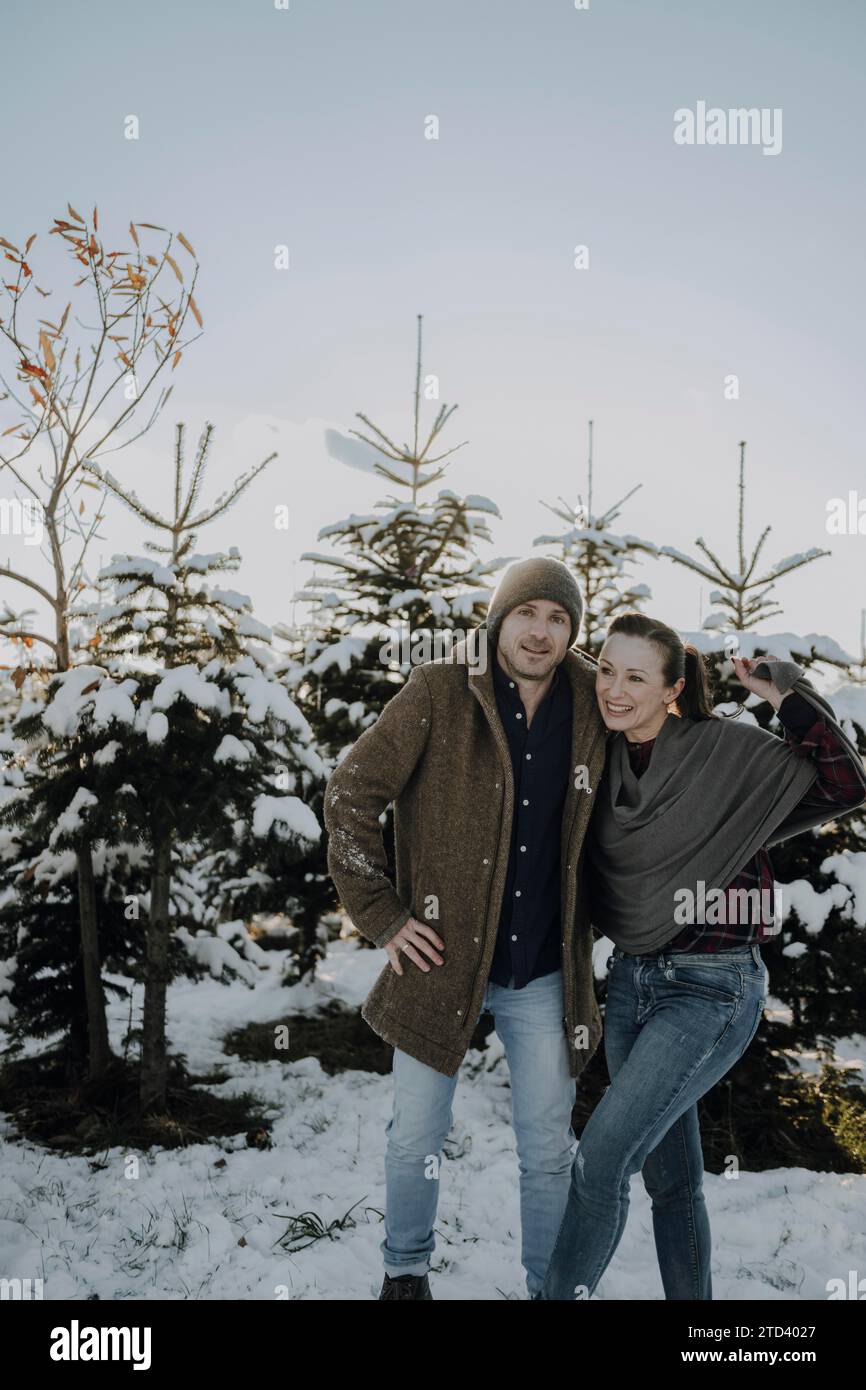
<point>678,659</point>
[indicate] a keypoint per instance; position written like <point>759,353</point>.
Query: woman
<point>688,804</point>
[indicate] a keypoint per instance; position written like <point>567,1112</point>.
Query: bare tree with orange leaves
<point>69,396</point>
<point>78,381</point>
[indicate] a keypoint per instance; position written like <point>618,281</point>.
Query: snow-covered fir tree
<point>200,742</point>
<point>819,961</point>
<point>70,856</point>
<point>405,583</point>
<point>599,557</point>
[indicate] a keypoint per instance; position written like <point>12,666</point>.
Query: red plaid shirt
<point>840,782</point>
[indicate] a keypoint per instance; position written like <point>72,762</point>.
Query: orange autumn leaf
<point>76,216</point>
<point>174,265</point>
<point>195,312</point>
<point>132,230</point>
<point>47,350</point>
<point>29,243</point>
<point>176,358</point>
<point>40,400</point>
<point>33,368</point>
<point>184,243</point>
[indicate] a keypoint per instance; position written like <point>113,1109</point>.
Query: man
<point>492,771</point>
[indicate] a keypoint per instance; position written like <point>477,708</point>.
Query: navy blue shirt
<point>528,939</point>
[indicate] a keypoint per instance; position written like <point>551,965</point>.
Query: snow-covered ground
<point>186,1228</point>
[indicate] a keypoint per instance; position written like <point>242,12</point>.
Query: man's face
<point>533,639</point>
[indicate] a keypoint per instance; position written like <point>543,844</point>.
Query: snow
<point>157,727</point>
<point>849,702</point>
<point>849,866</point>
<point>264,696</point>
<point>73,694</point>
<point>787,646</point>
<point>340,653</point>
<point>248,626</point>
<point>479,503</point>
<point>811,906</point>
<point>404,597</point>
<point>286,816</point>
<point>216,955</point>
<point>231,750</point>
<point>70,821</point>
<point>189,682</point>
<point>105,755</point>
<point>138,567</point>
<point>181,1227</point>
<point>230,598</point>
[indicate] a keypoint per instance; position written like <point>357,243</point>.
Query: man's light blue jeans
<point>530,1023</point>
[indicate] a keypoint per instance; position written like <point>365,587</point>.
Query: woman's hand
<point>765,690</point>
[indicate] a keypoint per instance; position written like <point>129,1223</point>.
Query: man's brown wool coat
<point>438,751</point>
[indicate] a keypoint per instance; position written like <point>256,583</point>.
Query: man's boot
<point>406,1286</point>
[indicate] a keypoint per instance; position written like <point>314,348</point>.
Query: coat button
<point>460,1011</point>
<point>485,861</point>
<point>476,938</point>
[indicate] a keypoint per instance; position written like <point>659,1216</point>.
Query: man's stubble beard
<point>536,674</point>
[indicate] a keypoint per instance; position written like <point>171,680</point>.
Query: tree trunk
<point>97,1026</point>
<point>154,1058</point>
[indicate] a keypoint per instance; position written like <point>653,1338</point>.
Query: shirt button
<point>528,756</point>
<point>523,849</point>
<point>511,685</point>
<point>517,893</point>
<point>518,716</point>
<point>514,938</point>
<point>526,801</point>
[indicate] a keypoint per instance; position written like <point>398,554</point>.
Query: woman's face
<point>630,687</point>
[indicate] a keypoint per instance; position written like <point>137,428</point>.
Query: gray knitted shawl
<point>714,792</point>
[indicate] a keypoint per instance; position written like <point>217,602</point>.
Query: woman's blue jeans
<point>530,1023</point>
<point>674,1024</point>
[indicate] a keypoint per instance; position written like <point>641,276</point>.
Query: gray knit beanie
<point>538,577</point>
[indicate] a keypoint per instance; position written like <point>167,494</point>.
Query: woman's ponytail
<point>695,700</point>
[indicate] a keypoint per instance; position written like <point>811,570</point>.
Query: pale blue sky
<point>306,127</point>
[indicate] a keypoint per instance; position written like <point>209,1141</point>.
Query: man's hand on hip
<point>413,939</point>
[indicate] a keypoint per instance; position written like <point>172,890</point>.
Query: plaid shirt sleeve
<point>840,780</point>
